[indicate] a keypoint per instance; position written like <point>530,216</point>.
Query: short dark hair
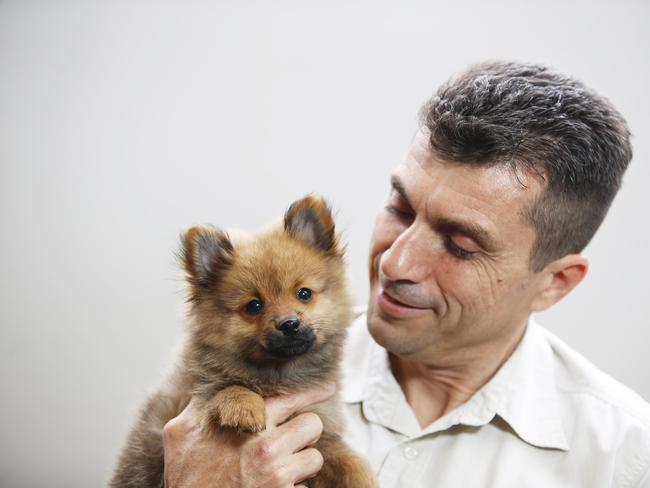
<point>530,117</point>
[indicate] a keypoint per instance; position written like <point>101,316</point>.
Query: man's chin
<point>388,335</point>
<point>399,336</point>
<point>384,329</point>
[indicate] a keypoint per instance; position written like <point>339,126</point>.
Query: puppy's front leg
<point>234,407</point>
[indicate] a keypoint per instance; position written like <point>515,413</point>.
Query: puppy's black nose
<point>289,326</point>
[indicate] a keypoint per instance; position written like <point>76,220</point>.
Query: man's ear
<point>559,278</point>
<point>310,220</point>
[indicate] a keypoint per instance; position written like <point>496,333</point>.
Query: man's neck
<point>432,390</point>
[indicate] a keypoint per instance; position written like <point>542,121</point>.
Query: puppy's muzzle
<point>291,339</point>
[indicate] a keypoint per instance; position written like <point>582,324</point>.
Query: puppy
<point>268,316</point>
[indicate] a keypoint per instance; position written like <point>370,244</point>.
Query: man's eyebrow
<point>470,229</point>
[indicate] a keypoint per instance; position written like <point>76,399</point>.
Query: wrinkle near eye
<point>486,274</point>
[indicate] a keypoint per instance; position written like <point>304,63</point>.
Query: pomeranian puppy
<point>268,315</point>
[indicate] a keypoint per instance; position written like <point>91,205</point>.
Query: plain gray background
<point>122,123</point>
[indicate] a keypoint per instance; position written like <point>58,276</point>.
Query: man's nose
<point>406,258</point>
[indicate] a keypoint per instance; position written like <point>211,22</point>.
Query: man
<point>451,383</point>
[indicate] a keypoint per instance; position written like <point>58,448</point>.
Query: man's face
<point>449,257</point>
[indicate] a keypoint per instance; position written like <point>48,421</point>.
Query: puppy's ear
<point>310,220</point>
<point>205,253</point>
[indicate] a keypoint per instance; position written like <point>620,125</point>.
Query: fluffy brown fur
<point>238,352</point>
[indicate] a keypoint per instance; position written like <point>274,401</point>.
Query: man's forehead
<point>493,183</point>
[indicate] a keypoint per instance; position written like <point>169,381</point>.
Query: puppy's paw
<point>237,408</point>
<point>247,416</point>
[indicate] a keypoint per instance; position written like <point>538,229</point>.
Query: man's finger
<point>280,408</point>
<point>301,431</point>
<point>308,463</point>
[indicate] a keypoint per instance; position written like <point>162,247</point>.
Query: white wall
<point>121,123</point>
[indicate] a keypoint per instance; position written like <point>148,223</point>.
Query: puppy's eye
<point>254,307</point>
<point>304,294</point>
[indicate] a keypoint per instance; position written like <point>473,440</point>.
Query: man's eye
<point>456,250</point>
<point>398,206</point>
<point>398,212</point>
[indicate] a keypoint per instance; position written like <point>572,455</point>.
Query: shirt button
<point>410,452</point>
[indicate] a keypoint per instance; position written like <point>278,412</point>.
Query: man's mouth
<point>400,302</point>
<point>397,308</point>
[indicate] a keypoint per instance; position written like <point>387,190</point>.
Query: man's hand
<point>279,457</point>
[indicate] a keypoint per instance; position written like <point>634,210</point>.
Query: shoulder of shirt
<point>576,376</point>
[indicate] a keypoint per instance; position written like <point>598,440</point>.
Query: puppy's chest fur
<point>204,378</point>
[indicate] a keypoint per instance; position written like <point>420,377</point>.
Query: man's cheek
<point>461,282</point>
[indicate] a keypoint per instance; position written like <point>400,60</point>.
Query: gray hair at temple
<point>533,118</point>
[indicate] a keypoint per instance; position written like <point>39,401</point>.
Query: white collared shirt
<point>548,418</point>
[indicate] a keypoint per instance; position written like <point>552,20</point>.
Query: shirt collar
<point>522,392</point>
